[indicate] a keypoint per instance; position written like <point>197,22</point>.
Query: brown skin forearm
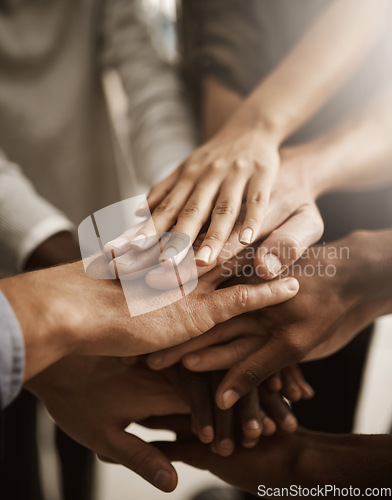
<point>344,460</point>
<point>58,249</point>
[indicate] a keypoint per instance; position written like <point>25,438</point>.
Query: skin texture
<point>304,458</point>
<point>255,346</point>
<point>260,413</point>
<point>242,159</point>
<point>94,399</point>
<point>100,323</point>
<point>353,155</point>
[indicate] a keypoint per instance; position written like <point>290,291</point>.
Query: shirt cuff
<point>39,233</point>
<point>12,354</point>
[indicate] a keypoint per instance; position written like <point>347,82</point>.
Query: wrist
<point>58,249</point>
<point>37,305</point>
<point>370,263</point>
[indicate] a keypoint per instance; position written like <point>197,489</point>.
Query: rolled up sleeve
<point>12,355</point>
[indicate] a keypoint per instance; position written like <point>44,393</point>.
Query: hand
<point>304,458</point>
<point>94,400</point>
<point>236,163</point>
<point>292,223</point>
<point>274,461</point>
<point>62,311</point>
<point>261,344</point>
<point>259,413</point>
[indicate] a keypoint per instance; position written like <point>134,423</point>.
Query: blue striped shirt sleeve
<point>12,355</point>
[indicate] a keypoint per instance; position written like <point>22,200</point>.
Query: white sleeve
<point>161,127</point>
<point>26,219</point>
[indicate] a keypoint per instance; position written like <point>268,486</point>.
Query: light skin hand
<point>94,400</point>
<point>63,311</point>
<point>246,148</point>
<point>292,224</point>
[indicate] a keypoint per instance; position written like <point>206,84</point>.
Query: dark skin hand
<point>58,249</point>
<point>304,458</point>
<point>259,413</point>
<point>94,399</point>
<point>327,313</point>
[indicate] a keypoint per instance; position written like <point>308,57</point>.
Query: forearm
<point>366,269</point>
<point>344,460</point>
<point>35,300</point>
<point>315,69</point>
<point>355,155</point>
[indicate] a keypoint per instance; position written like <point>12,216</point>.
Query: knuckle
<point>191,210</point>
<point>241,164</point>
<point>224,208</point>
<point>296,347</point>
<point>239,350</point>
<point>272,291</point>
<point>213,237</point>
<point>218,164</point>
<point>141,461</point>
<point>165,207</point>
<point>242,295</point>
<point>251,375</point>
<point>257,199</point>
<point>251,220</point>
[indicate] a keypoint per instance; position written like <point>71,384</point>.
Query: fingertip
<point>226,400</point>
<point>206,434</point>
<point>290,424</point>
<point>166,480</point>
<point>203,256</point>
<point>246,236</point>
<point>191,361</point>
<point>269,427</point>
<point>155,361</point>
<point>291,285</point>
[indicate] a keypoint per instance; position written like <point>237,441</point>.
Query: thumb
<point>252,371</point>
<point>192,453</point>
<point>287,244</point>
<point>224,304</point>
<point>142,458</point>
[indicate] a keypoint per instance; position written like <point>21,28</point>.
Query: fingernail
<point>273,264</point>
<point>121,243</point>
<point>290,422</point>
<point>291,284</point>
<point>253,425</point>
<point>204,254</point>
<point>309,390</point>
<point>156,359</point>
<point>207,434</point>
<point>162,480</point>
<point>229,398</point>
<point>246,236</point>
<point>169,254</point>
<point>249,444</point>
<point>226,446</point>
<point>191,361</point>
<point>140,241</point>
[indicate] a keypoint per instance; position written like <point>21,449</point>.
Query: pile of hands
<point>223,367</point>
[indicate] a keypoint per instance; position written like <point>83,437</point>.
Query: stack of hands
<point>225,354</point>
